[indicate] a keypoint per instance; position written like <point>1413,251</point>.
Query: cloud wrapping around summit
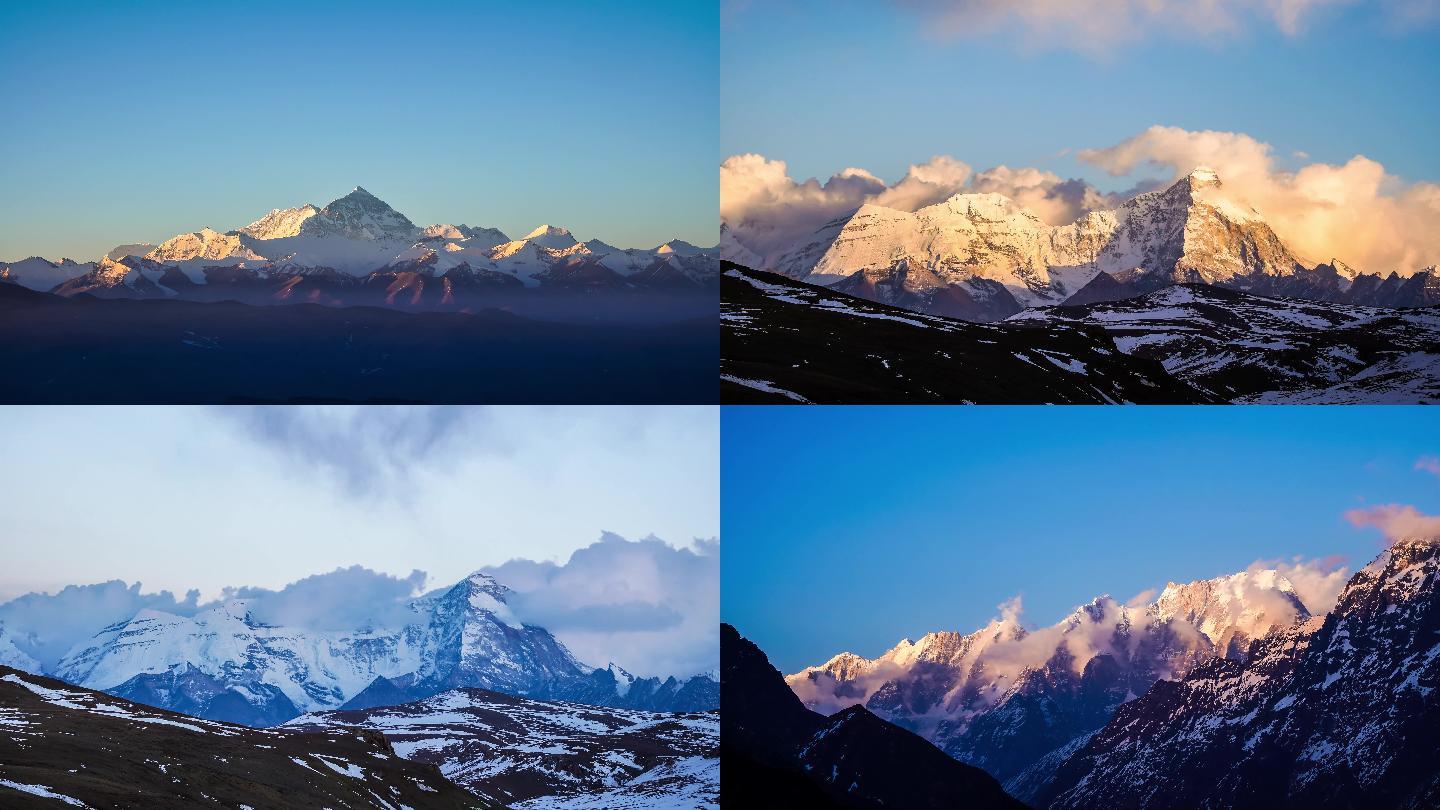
<point>771,213</point>
<point>1356,212</point>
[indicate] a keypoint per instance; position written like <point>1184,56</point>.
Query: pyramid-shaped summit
<point>361,215</point>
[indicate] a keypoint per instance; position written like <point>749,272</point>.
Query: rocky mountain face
<point>1338,711</point>
<point>785,341</point>
<point>983,257</point>
<point>359,250</point>
<point>777,753</point>
<point>68,746</point>
<point>534,754</point>
<point>1014,701</point>
<point>224,663</point>
<point>1247,349</point>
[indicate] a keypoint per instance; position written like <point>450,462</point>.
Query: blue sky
<point>826,85</point>
<point>138,121</point>
<point>851,528</point>
<point>347,512</point>
<point>154,494</point>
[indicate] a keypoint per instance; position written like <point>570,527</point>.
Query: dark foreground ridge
<point>786,341</point>
<point>776,753</point>
<point>86,350</point>
<point>98,751</point>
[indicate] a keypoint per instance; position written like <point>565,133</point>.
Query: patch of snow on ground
<point>42,791</point>
<point>764,385</point>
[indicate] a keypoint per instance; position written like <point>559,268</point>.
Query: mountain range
<point>226,664</point>
<point>359,250</point>
<point>984,257</point>
<point>1227,692</point>
<point>1005,698</point>
<point>784,341</point>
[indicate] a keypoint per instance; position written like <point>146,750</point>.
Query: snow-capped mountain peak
<point>207,244</point>
<point>1233,610</point>
<point>547,230</point>
<point>1203,176</point>
<point>678,247</point>
<point>280,222</point>
<point>623,679</point>
<point>1336,711</point>
<point>550,236</point>
<point>360,215</point>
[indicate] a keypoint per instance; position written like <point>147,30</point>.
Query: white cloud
<point>1355,211</point>
<point>343,599</point>
<point>648,606</point>
<point>1100,27</point>
<point>1397,522</point>
<point>150,494</point>
<point>1317,582</point>
<point>769,212</point>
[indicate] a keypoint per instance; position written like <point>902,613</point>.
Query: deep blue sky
<point>850,528</point>
<point>137,121</point>
<point>828,84</point>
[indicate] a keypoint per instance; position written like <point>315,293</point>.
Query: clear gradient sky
<point>881,85</point>
<point>131,122</point>
<point>851,528</point>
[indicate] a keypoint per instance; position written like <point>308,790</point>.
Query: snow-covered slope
<point>1005,697</point>
<point>784,341</point>
<point>280,222</point>
<point>536,754</point>
<point>12,656</point>
<point>1246,348</point>
<point>1232,611</point>
<point>1333,712</point>
<point>65,746</point>
<point>225,663</point>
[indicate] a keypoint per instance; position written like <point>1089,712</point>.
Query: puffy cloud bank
<point>645,605</point>
<point>45,626</point>
<point>1097,27</point>
<point>1397,522</point>
<point>1356,211</point>
<point>648,606</point>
